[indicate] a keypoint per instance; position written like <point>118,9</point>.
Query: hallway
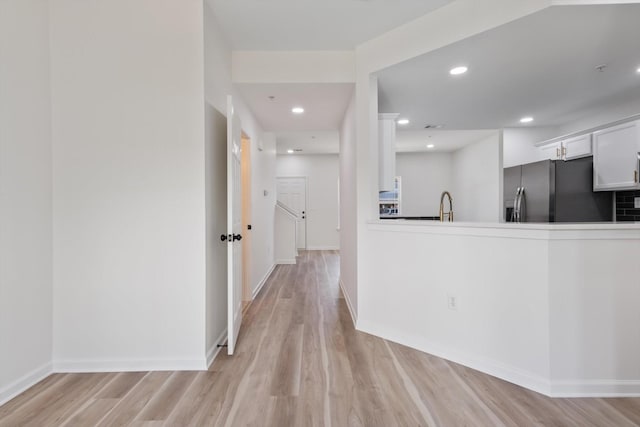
<point>300,362</point>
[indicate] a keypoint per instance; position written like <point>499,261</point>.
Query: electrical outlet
<point>636,202</point>
<point>452,302</point>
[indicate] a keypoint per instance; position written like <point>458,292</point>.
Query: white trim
<point>286,261</point>
<point>529,231</point>
<point>494,368</point>
<point>594,129</point>
<point>352,312</point>
<point>213,352</point>
<point>512,374</point>
<point>595,388</point>
<point>323,248</point>
<point>589,2</point>
<point>258,288</point>
<point>25,382</point>
<point>128,365</point>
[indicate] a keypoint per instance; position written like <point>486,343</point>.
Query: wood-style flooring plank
<point>133,402</point>
<point>300,362</point>
<point>164,401</point>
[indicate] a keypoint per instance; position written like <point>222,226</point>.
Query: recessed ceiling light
<point>297,110</point>
<point>526,120</point>
<point>290,151</point>
<point>638,70</point>
<point>430,145</point>
<point>458,70</point>
<point>403,121</point>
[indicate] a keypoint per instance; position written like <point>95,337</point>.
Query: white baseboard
<point>28,380</point>
<point>529,380</point>
<point>214,350</point>
<point>129,365</point>
<point>494,368</point>
<point>256,291</point>
<point>323,248</point>
<point>352,312</point>
<point>286,261</point>
<point>595,388</point>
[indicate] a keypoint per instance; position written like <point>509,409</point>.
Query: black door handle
<point>224,237</point>
<point>237,237</point>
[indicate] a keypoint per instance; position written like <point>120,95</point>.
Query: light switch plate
<point>636,202</point>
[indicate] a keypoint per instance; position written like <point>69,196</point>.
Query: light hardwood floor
<point>300,362</point>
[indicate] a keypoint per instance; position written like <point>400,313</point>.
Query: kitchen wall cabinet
<point>576,147</point>
<point>616,156</point>
<point>387,151</point>
<point>550,151</point>
<point>568,149</point>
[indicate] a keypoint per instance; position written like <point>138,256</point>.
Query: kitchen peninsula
<point>551,307</point>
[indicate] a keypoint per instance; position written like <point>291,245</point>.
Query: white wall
<point>349,209</point>
<point>263,202</point>
<point>218,84</point>
<point>129,184</point>
<point>25,196</point>
<point>322,172</point>
<point>477,181</point>
<point>293,67</point>
<point>605,112</point>
<point>594,299</point>
<point>518,144</point>
<point>552,308</point>
<point>216,224</point>
<point>501,324</point>
<point>424,177</point>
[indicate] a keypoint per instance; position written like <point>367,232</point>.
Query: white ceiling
<point>443,140</point>
<point>309,142</point>
<point>543,65</point>
<point>313,24</point>
<point>324,105</point>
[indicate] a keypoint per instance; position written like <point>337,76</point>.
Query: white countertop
<point>546,231</point>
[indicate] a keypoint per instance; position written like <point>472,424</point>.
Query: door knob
<point>237,237</point>
<point>224,237</point>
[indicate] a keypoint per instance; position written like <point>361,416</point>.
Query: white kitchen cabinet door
<point>574,148</point>
<point>551,151</point>
<point>615,157</point>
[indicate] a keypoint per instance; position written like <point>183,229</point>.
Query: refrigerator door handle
<point>515,214</point>
<point>522,206</point>
<point>518,207</point>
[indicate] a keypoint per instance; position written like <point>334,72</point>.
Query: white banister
<point>285,238</point>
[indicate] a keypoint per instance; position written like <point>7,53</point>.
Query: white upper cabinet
<point>615,157</point>
<point>551,151</point>
<point>567,149</point>
<point>574,148</point>
<point>387,151</point>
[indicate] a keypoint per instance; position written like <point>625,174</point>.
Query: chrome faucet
<point>442,212</point>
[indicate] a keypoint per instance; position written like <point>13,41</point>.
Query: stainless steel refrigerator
<point>555,191</point>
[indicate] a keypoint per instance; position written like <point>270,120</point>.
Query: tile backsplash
<point>625,210</point>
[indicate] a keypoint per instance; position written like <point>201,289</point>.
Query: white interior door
<point>234,226</point>
<point>292,192</point>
